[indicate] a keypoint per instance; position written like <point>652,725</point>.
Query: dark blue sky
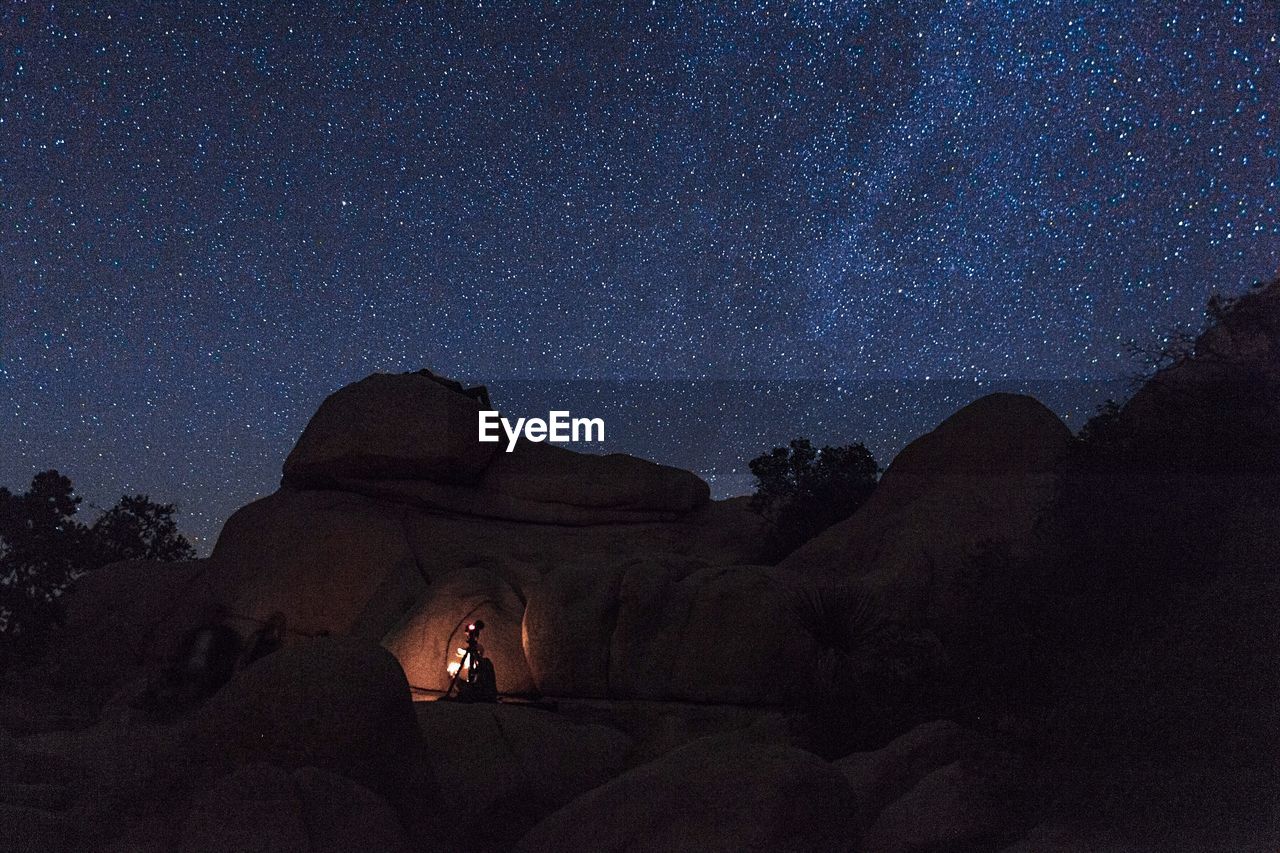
<point>214,214</point>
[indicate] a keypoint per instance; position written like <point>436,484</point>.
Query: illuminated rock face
<point>347,564</point>
<point>395,523</point>
<point>427,640</point>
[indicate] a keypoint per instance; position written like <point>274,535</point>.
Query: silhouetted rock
<point>956,807</point>
<point>376,435</point>
<point>130,616</point>
<point>1216,409</point>
<point>671,629</point>
<point>487,504</point>
<point>937,787</point>
<point>549,474</point>
<point>712,795</point>
<point>260,807</point>
<point>978,481</point>
<point>511,766</point>
<point>882,776</point>
<point>339,704</point>
<point>27,828</point>
<point>394,426</point>
<point>327,560</point>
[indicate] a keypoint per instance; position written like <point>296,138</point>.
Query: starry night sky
<point>716,226</point>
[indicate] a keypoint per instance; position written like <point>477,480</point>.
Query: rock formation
<point>709,796</point>
<point>618,588</point>
<point>600,576</point>
<point>394,523</point>
<point>976,483</point>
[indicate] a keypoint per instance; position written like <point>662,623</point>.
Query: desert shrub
<point>872,678</point>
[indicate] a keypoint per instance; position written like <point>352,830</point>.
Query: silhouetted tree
<point>138,528</point>
<point>803,491</point>
<point>43,547</point>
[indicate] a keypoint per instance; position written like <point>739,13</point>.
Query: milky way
<point>717,227</point>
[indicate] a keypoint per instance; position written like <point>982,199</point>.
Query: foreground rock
<point>882,776</point>
<point>332,717</point>
<point>508,767</point>
<point>338,704</point>
<point>265,808</point>
<point>955,807</point>
<point>716,794</point>
<point>937,787</point>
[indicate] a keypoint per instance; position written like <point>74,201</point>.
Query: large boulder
<point>427,639</point>
<point>973,487</point>
<point>937,787</point>
<point>128,617</point>
<point>956,807</point>
<point>512,766</point>
<point>544,484</point>
<point>716,794</point>
<point>673,629</point>
<point>412,438</point>
<point>549,474</point>
<point>327,560</point>
<point>881,776</point>
<point>354,564</point>
<point>568,627</point>
<point>392,426</point>
<point>33,829</point>
<point>260,807</point>
<point>339,704</point>
<point>486,504</point>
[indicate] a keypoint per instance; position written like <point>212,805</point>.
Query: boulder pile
<point>597,576</point>
<point>701,692</point>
